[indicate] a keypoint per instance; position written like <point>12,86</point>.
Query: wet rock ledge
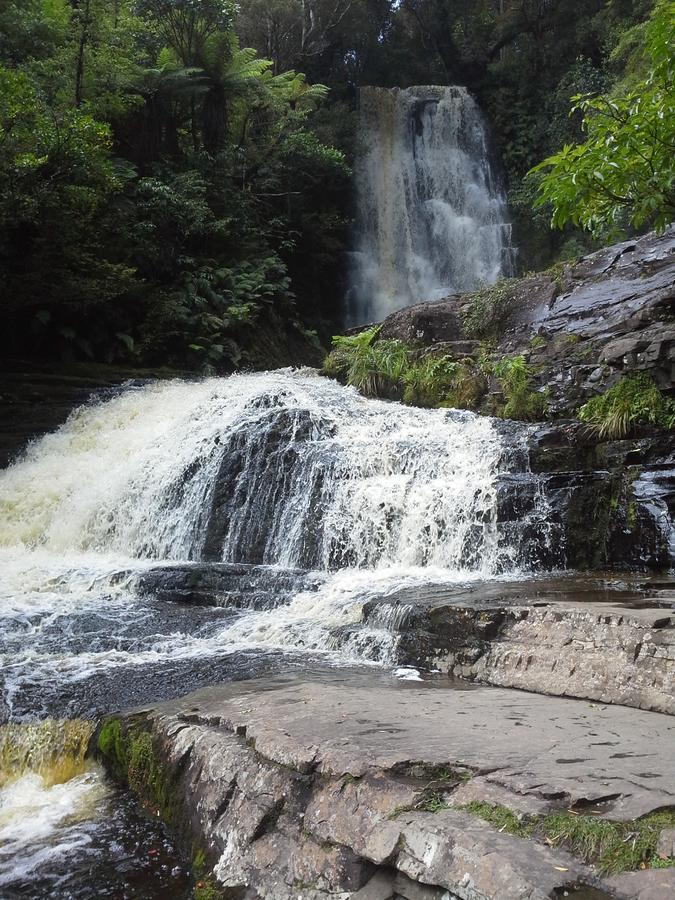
<point>352,787</point>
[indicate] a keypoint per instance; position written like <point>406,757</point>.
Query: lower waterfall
<point>179,534</point>
<point>431,216</point>
<point>290,500</point>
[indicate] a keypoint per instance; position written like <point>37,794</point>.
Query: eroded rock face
<point>581,328</point>
<point>609,314</point>
<point>304,788</point>
<point>571,637</point>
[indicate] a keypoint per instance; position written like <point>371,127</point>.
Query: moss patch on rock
<point>130,755</point>
<point>609,846</point>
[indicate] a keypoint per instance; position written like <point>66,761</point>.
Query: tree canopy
<point>624,172</point>
<point>175,174</point>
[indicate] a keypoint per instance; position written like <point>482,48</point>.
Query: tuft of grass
<point>428,381</point>
<point>633,404</point>
<point>373,367</point>
<point>433,803</point>
<point>501,818</point>
<point>521,401</point>
<point>610,846</point>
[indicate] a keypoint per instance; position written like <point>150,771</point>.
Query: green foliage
<point>488,310</point>
<point>521,401</point>
<point>501,818</point>
<point>428,381</point>
<point>374,367</point>
<point>610,846</point>
<point>160,185</point>
<point>633,404</point>
<point>624,172</point>
<point>387,368</point>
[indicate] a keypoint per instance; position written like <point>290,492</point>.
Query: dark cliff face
<point>581,328</point>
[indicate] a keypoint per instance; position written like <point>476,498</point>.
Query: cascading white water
<point>313,476</point>
<point>283,471</point>
<point>431,217</point>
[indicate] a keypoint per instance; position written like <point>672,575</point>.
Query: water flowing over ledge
<point>297,498</point>
<point>431,216</point>
<point>282,468</point>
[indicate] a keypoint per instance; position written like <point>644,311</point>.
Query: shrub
<point>375,368</point>
<point>428,381</point>
<point>633,403</point>
<point>521,401</point>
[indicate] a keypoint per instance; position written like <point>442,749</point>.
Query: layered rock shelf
<point>349,786</point>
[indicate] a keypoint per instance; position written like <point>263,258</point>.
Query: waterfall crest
<point>431,217</point>
<point>278,468</point>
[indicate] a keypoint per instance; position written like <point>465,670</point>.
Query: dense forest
<point>175,175</point>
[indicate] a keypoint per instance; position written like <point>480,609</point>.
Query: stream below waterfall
<point>178,534</point>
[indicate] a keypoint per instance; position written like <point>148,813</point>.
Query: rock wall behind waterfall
<point>431,217</point>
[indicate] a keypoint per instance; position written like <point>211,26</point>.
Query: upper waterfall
<point>431,217</point>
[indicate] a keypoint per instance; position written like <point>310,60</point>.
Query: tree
<point>624,172</point>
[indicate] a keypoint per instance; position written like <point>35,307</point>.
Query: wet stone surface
<point>326,783</point>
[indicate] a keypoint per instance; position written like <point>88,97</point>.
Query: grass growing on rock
<point>501,818</point>
<point>488,310</point>
<point>609,846</point>
<point>634,403</point>
<point>521,400</point>
<point>391,370</point>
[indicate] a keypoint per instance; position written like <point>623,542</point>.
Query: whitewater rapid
<point>286,471</point>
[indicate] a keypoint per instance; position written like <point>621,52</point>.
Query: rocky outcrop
<point>580,328</point>
<point>611,504</point>
<point>351,789</point>
<point>581,325</point>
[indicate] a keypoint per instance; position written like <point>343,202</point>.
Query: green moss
<point>199,861</point>
<point>501,818</point>
<point>538,341</point>
<point>633,404</point>
<point>610,846</point>
<point>348,778</point>
<point>130,755</point>
<point>631,515</point>
<point>112,745</point>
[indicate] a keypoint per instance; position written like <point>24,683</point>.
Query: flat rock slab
<point>577,752</point>
<point>342,786</point>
